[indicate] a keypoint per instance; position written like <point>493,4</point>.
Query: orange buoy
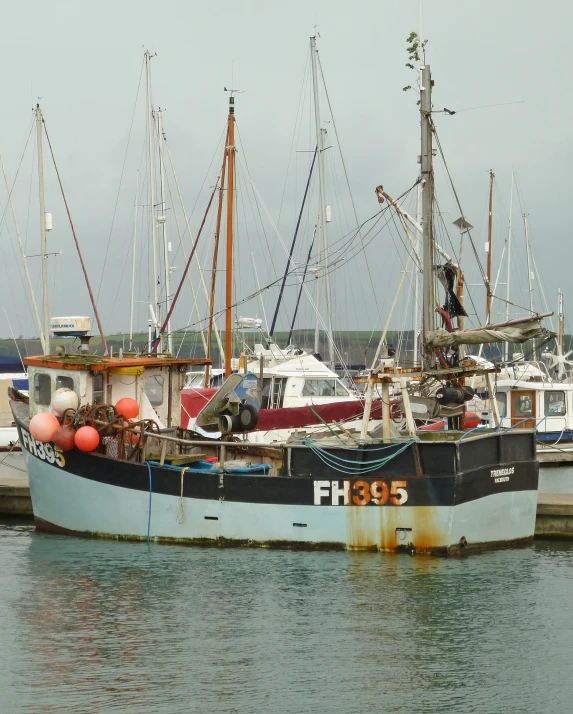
<point>64,438</point>
<point>43,426</point>
<point>472,420</point>
<point>87,438</point>
<point>127,407</point>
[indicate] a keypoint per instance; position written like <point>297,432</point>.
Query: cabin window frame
<point>501,399</point>
<point>337,388</point>
<point>40,389</point>
<point>63,381</point>
<point>160,380</point>
<point>548,406</point>
<point>98,395</point>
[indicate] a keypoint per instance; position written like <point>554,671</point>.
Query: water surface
<point>102,626</point>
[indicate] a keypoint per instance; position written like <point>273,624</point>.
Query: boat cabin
<point>546,406</point>
<point>155,382</point>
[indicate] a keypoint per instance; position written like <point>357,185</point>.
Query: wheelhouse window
<point>523,406</point>
<point>501,399</point>
<point>555,403</point>
<point>64,382</point>
<point>323,388</point>
<point>97,387</point>
<point>154,390</point>
<point>42,389</point>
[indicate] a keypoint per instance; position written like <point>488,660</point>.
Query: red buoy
<point>127,407</point>
<point>43,426</point>
<point>87,438</point>
<point>64,438</point>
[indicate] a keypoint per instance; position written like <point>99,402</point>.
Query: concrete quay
<point>554,516</point>
<point>14,490</point>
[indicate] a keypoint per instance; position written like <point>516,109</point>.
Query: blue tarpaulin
<point>10,365</point>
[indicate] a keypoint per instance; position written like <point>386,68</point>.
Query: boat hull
<point>450,510</point>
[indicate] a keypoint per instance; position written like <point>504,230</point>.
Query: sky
<point>83,63</point>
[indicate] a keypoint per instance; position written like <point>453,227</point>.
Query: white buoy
<point>63,399</point>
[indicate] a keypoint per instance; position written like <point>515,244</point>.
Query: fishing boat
<point>150,479</point>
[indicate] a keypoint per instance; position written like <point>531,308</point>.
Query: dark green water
<point>98,626</point>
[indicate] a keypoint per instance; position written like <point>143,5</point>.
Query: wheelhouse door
<point>523,409</point>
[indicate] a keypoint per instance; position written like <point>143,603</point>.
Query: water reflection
<point>98,626</point>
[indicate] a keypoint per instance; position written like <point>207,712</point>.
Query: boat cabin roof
<point>97,363</point>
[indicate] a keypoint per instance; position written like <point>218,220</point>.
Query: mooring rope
<point>353,467</point>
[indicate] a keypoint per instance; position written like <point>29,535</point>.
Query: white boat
<point>299,393</point>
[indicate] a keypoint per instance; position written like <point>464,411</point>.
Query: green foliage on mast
<point>415,47</point>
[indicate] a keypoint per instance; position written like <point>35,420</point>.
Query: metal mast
<point>150,122</point>
<point>561,321</point>
<point>166,244</point>
<point>506,346</point>
<point>135,207</point>
<point>26,271</point>
<point>529,273</point>
<point>39,121</point>
<point>529,276</point>
<point>489,251</point>
<point>429,300</point>
<point>322,231</point>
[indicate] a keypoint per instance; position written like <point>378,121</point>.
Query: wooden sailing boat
<point>425,492</point>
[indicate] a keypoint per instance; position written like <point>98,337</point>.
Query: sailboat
<point>298,390</point>
<point>424,492</point>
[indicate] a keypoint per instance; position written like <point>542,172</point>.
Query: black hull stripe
<point>439,489</point>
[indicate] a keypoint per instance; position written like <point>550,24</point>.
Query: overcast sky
<point>85,60</point>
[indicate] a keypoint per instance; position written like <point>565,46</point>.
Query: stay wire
<point>120,182</point>
<point>435,133</point>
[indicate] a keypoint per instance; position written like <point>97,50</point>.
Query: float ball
<point>63,399</point>
<point>43,426</point>
<point>127,407</point>
<point>65,438</point>
<point>87,438</point>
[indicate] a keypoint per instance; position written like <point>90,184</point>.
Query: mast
<point>150,121</point>
<point>229,256</point>
<point>26,271</point>
<point>561,321</point>
<point>322,222</point>
<point>215,260</point>
<point>529,273</point>
<point>39,121</point>
<point>416,346</point>
<point>166,244</point>
<point>489,251</point>
<point>506,347</point>
<point>133,263</point>
<point>428,296</point>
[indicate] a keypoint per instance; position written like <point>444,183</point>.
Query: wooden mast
<point>489,251</point>
<point>428,295</point>
<point>229,266</point>
<point>215,259</point>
